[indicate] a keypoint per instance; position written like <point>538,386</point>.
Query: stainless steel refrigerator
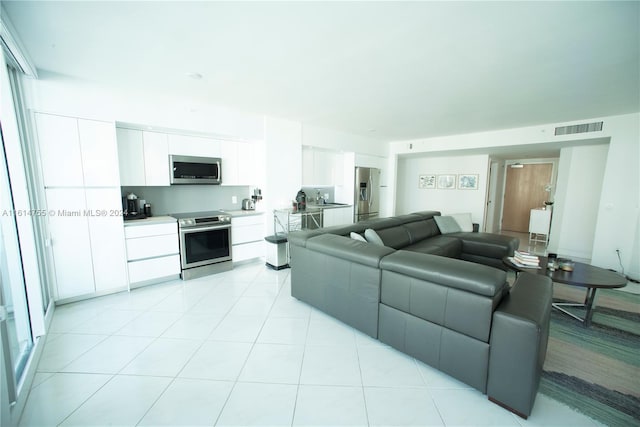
<point>367,191</point>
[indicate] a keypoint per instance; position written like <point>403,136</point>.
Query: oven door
<point>204,245</point>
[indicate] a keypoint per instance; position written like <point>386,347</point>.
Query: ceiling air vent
<point>585,127</point>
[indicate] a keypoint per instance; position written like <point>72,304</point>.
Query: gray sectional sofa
<point>443,299</point>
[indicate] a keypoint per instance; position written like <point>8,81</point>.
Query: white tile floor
<point>237,349</point>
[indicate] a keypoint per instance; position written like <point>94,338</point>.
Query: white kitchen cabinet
<point>77,152</point>
<point>247,237</point>
<point>70,242</point>
<point>107,239</point>
<point>185,145</point>
<point>99,153</point>
<point>337,216</point>
<point>153,253</point>
<point>230,163</point>
<point>156,158</point>
<point>59,144</point>
<point>321,167</point>
<point>130,157</point>
<point>242,163</point>
<point>307,166</point>
<point>87,241</point>
<point>143,157</point>
<point>154,270</point>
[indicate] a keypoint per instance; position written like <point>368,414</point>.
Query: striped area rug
<point>596,370</point>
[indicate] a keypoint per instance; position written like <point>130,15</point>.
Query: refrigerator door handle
<point>370,192</point>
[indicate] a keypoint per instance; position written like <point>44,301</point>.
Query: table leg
<point>588,306</point>
<point>588,303</point>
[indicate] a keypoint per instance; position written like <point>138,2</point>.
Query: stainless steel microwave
<point>195,170</point>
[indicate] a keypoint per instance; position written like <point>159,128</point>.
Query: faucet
<point>319,198</point>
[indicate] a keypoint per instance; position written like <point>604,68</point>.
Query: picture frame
<point>427,181</point>
<point>468,181</point>
<point>447,182</point>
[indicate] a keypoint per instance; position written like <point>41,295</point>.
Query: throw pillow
<point>464,221</point>
<point>356,236</point>
<point>372,237</point>
<point>446,224</point>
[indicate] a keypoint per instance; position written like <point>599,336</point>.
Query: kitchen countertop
<point>315,208</point>
<point>240,213</point>
<point>328,206</point>
<point>161,219</point>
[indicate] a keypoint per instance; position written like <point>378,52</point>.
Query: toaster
<point>248,204</point>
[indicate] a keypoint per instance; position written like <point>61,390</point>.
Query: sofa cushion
<point>372,237</point>
<point>356,236</point>
<point>447,224</point>
<point>420,230</point>
<point>454,273</point>
<point>464,221</point>
<point>453,293</point>
<point>487,245</point>
<point>394,237</point>
<point>438,245</point>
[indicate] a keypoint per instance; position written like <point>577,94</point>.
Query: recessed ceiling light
<point>194,75</point>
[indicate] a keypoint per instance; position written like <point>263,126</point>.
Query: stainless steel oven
<point>205,243</point>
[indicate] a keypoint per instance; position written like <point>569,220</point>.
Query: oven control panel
<point>211,220</point>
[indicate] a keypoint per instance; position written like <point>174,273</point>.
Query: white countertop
<point>151,220</point>
<point>240,213</point>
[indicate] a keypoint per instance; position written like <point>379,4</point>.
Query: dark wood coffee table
<point>583,275</point>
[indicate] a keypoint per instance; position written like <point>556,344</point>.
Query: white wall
<point>283,147</point>
<point>410,198</point>
<point>62,95</point>
<point>341,141</point>
<point>575,210</point>
<point>618,207</point>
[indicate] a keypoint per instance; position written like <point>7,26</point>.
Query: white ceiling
<point>391,70</point>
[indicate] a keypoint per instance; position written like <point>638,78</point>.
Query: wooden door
<point>524,190</point>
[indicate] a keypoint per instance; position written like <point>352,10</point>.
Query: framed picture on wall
<point>427,181</point>
<point>447,182</point>
<point>468,182</point>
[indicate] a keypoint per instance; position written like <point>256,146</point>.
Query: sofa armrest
<point>518,343</point>
<point>300,237</point>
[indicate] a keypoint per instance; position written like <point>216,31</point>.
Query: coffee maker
<point>131,207</point>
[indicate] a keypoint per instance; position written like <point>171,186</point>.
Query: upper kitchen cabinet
<point>143,157</point>
<point>185,145</point>
<point>130,157</point>
<point>99,153</point>
<point>156,158</point>
<point>242,163</point>
<point>321,167</point>
<point>77,152</point>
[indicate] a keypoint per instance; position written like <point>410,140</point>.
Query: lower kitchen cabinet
<point>337,216</point>
<point>87,241</point>
<point>247,237</point>
<point>153,253</point>
<point>107,239</point>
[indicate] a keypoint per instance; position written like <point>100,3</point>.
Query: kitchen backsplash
<point>190,198</point>
<point>312,193</point>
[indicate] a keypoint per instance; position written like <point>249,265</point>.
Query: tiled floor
<point>237,349</point>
